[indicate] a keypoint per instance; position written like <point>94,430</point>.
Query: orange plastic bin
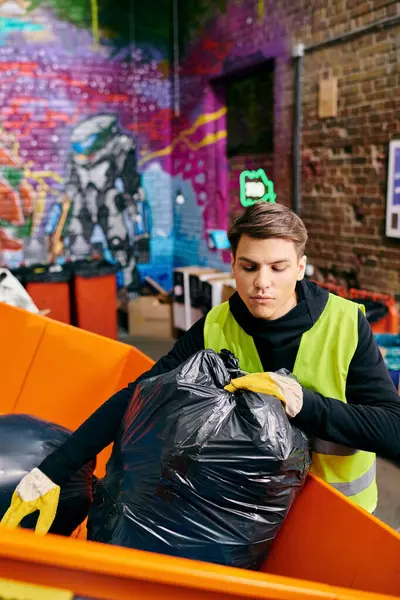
<point>327,549</point>
<point>49,288</point>
<point>95,297</point>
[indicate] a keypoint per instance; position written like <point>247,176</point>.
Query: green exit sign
<point>255,187</point>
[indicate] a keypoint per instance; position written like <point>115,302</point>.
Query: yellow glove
<point>283,387</point>
<point>34,492</point>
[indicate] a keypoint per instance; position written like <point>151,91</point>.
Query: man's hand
<point>283,387</point>
<point>34,492</point>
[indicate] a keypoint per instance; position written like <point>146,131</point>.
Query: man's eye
<point>279,270</point>
<point>248,268</point>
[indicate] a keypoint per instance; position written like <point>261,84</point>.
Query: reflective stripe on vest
<point>356,486</point>
<point>322,364</point>
<point>324,447</point>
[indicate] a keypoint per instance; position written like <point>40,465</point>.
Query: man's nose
<point>263,279</point>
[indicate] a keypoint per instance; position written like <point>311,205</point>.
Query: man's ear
<point>232,260</point>
<point>301,268</point>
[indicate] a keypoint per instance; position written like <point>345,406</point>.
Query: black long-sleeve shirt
<point>369,421</point>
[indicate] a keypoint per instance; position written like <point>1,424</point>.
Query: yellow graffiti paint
<point>261,9</point>
<point>39,206</point>
<point>42,191</point>
<point>210,138</point>
<point>56,244</point>
<point>95,21</point>
<point>38,175</point>
<point>184,135</point>
<point>203,119</point>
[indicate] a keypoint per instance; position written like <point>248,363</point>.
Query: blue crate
<point>389,344</point>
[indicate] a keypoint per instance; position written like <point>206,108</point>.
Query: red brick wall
<point>344,159</point>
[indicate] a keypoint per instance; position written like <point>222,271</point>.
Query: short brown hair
<point>264,220</point>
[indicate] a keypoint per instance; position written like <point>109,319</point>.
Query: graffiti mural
<point>107,207</point>
<point>23,193</point>
<point>203,190</point>
<point>99,156</point>
<point>16,196</point>
<point>75,118</point>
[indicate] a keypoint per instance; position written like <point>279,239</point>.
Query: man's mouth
<point>262,298</point>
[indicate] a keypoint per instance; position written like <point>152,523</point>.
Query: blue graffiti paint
<point>9,26</point>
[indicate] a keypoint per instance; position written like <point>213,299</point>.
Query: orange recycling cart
<point>53,297</point>
<point>95,297</point>
<point>327,549</point>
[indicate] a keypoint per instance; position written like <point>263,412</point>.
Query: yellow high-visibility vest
<point>322,365</point>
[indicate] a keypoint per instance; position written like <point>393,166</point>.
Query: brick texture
<point>344,159</point>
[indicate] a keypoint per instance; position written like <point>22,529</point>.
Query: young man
<point>345,399</point>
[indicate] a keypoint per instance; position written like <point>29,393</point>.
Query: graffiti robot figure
<point>108,206</point>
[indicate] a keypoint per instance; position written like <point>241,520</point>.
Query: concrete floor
<point>388,475</point>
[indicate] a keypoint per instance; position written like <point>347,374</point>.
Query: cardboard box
<point>149,316</point>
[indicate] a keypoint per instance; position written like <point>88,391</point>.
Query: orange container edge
<point>51,560</point>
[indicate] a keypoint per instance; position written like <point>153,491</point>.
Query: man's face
<point>266,272</point>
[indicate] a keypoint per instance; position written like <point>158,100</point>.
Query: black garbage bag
<point>24,442</point>
<point>199,472</point>
<point>374,311</point>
